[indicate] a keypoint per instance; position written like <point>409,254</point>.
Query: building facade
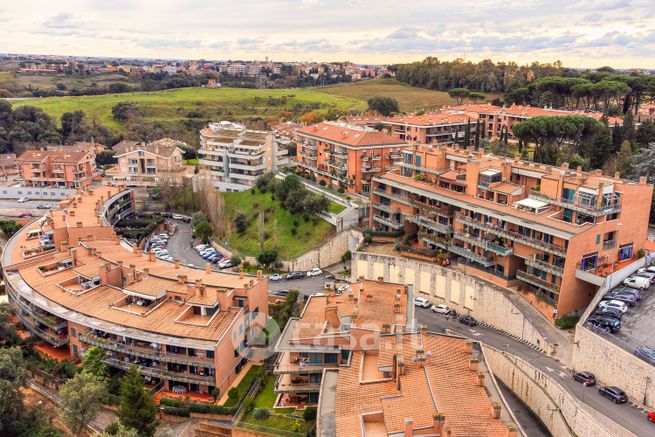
<point>346,156</point>
<point>551,229</point>
<point>149,164</point>
<point>56,168</point>
<point>74,285</point>
<point>233,157</point>
<point>443,127</point>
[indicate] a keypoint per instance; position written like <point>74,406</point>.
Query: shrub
<point>566,322</point>
<point>241,223</point>
<point>236,260</point>
<point>305,217</point>
<point>294,231</point>
<point>322,183</point>
<point>177,411</point>
<point>233,393</point>
<point>261,414</point>
<point>341,190</point>
<point>172,402</point>
<point>112,428</point>
<point>295,223</point>
<point>309,414</point>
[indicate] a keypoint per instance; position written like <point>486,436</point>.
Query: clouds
<point>582,32</point>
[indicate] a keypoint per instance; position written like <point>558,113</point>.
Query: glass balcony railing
<point>577,204</point>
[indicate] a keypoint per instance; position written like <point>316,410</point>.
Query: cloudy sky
<point>580,33</point>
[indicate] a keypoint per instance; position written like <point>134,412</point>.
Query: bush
<point>341,190</point>
<point>261,414</point>
<point>309,414</point>
<point>295,223</point>
<point>112,428</point>
<point>172,402</point>
<point>177,411</point>
<point>236,260</point>
<point>566,322</point>
<point>241,223</point>
<point>233,393</point>
<point>322,183</point>
<point>294,231</point>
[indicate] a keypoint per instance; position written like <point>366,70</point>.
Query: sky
<point>580,33</point>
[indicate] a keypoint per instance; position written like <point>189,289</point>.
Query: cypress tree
<point>136,408</point>
<point>477,135</point>
<point>467,134</point>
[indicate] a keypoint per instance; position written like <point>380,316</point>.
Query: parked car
<point>43,206</point>
<point>606,322</point>
<point>23,199</point>
<point>340,289</point>
<point>651,416</point>
<point>201,247</point>
<point>586,378</point>
<point>615,304</point>
<point>627,290</point>
<point>637,282</point>
<point>314,272</point>
<point>282,293</point>
<point>26,215</point>
<point>614,394</point>
<point>645,353</point>
<point>648,269</point>
<point>642,273</point>
<point>275,277</point>
<point>214,258</point>
<point>468,320</point>
<point>440,308</point>
<point>226,263</point>
<point>295,275</point>
<point>421,302</point>
<point>182,218</point>
<point>630,299</point>
<point>609,312</point>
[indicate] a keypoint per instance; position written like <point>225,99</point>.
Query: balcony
<point>397,197</point>
<point>144,351</point>
<point>394,224</point>
<point>430,224</point>
<point>308,146</point>
<point>298,366</point>
<point>309,156</point>
<point>536,281</point>
<point>514,236</point>
<point>421,169</point>
<point>435,241</point>
<point>442,211</point>
<point>163,373</point>
<point>553,269</point>
<point>383,207</point>
<point>52,338</point>
<point>287,383</point>
<point>470,255</point>
<point>51,322</point>
<point>485,244</point>
<point>395,155</point>
<point>576,205</point>
<point>369,169</point>
<point>609,244</point>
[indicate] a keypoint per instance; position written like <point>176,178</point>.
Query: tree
<point>81,399</point>
<point>106,157</point>
<point>311,117</point>
<point>645,133</point>
<point>203,230</point>
<point>383,105</point>
<point>92,362</point>
<point>267,258</point>
<point>12,377</point>
<point>198,217</point>
<point>476,97</point>
<point>459,94</point>
<point>623,161</point>
<point>136,408</point>
<point>644,162</point>
<point>8,335</point>
<point>123,111</point>
<point>72,125</point>
<point>241,223</point>
<point>116,429</point>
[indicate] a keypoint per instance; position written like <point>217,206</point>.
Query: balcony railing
<point>394,224</point>
<point>514,236</point>
<point>285,384</point>
<point>469,254</point>
<point>300,366</point>
<point>609,244</point>
<point>163,373</point>
<point>487,245</point>
<point>435,241</point>
<point>536,281</point>
<point>383,207</point>
<point>576,204</point>
<point>53,339</point>
<point>442,211</point>
<point>397,197</point>
<point>430,224</point>
<point>545,266</point>
<point>145,352</point>
<point>49,321</point>
<point>367,169</point>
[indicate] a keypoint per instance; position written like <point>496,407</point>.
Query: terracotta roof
<point>522,111</point>
<point>506,187</point>
<point>153,286</point>
<point>62,156</point>
<point>434,118</point>
<point>8,159</point>
<point>164,147</point>
<point>349,135</point>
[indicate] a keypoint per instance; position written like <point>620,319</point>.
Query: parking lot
<point>637,324</point>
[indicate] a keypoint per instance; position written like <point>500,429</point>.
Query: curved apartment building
<point>74,283</point>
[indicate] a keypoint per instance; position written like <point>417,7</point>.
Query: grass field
<point>214,104</point>
<point>278,224</point>
<point>244,385</point>
<point>409,98</point>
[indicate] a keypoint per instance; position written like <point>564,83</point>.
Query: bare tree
<point>262,230</point>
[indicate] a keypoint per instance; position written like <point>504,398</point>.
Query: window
<point>625,252</point>
<point>568,215</point>
<point>331,358</point>
<point>210,354</point>
<point>597,238</point>
<point>73,333</point>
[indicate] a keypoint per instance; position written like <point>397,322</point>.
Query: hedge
<point>176,411</point>
<point>172,402</point>
<point>197,407</point>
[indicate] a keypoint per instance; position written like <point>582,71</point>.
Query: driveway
<point>180,245</point>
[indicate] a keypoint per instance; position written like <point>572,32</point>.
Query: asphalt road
<point>628,415</point>
<point>179,245</point>
<point>13,208</point>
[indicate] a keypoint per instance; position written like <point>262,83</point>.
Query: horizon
<point>580,34</point>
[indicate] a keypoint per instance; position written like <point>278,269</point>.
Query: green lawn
<point>214,104</point>
<point>244,385</point>
<point>279,421</point>
<point>335,208</point>
<point>409,98</point>
<point>266,397</point>
<point>191,161</point>
<point>277,224</point>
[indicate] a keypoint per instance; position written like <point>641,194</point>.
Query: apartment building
<point>552,230</point>
<point>8,165</point>
<point>413,384</point>
<point>496,118</point>
<point>346,156</point>
<point>74,285</point>
<point>149,164</point>
<point>233,157</point>
<point>330,328</point>
<point>446,127</point>
<point>56,168</point>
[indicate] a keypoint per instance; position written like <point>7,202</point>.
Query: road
<point>179,245</point>
<point>628,415</point>
<point>12,208</point>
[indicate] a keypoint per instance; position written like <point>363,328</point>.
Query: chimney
<point>468,346</point>
<point>181,279</point>
<point>133,268</point>
<point>617,176</point>
<point>79,224</point>
<point>134,247</point>
<point>208,268</point>
<point>642,180</point>
<point>480,379</point>
<point>564,166</point>
<point>259,275</point>
<point>361,277</point>
<point>473,364</point>
<point>380,279</point>
<point>251,283</point>
<point>73,254</point>
<point>151,257</point>
<point>512,430</point>
<point>177,263</point>
<point>495,412</point>
<point>241,275</point>
<point>409,427</point>
<point>146,271</point>
<point>438,420</point>
<point>579,169</point>
<point>198,284</point>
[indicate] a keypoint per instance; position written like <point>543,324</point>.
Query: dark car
<point>614,394</point>
<point>468,320</point>
<point>606,322</point>
<point>609,312</point>
<point>283,293</point>
<point>296,275</point>
<point>646,354</point>
<point>627,290</point>
<point>629,299</point>
<point>586,378</point>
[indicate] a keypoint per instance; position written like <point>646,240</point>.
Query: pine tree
<point>136,408</point>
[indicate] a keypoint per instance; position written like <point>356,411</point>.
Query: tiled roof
<point>349,135</point>
<point>153,286</point>
<point>164,147</point>
<point>62,156</point>
<point>506,187</point>
<point>434,118</point>
<point>522,111</point>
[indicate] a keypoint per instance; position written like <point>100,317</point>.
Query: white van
<point>637,282</point>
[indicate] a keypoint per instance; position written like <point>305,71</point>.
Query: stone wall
<point>464,293</point>
<point>328,254</point>
<point>562,413</point>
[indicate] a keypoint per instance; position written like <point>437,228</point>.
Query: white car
<point>637,282</point>
<point>314,272</point>
<point>613,304</point>
<point>23,199</point>
<point>440,308</point>
<point>275,277</point>
<point>201,247</point>
<point>642,273</point>
<point>341,289</point>
<point>421,302</point>
<point>225,264</point>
